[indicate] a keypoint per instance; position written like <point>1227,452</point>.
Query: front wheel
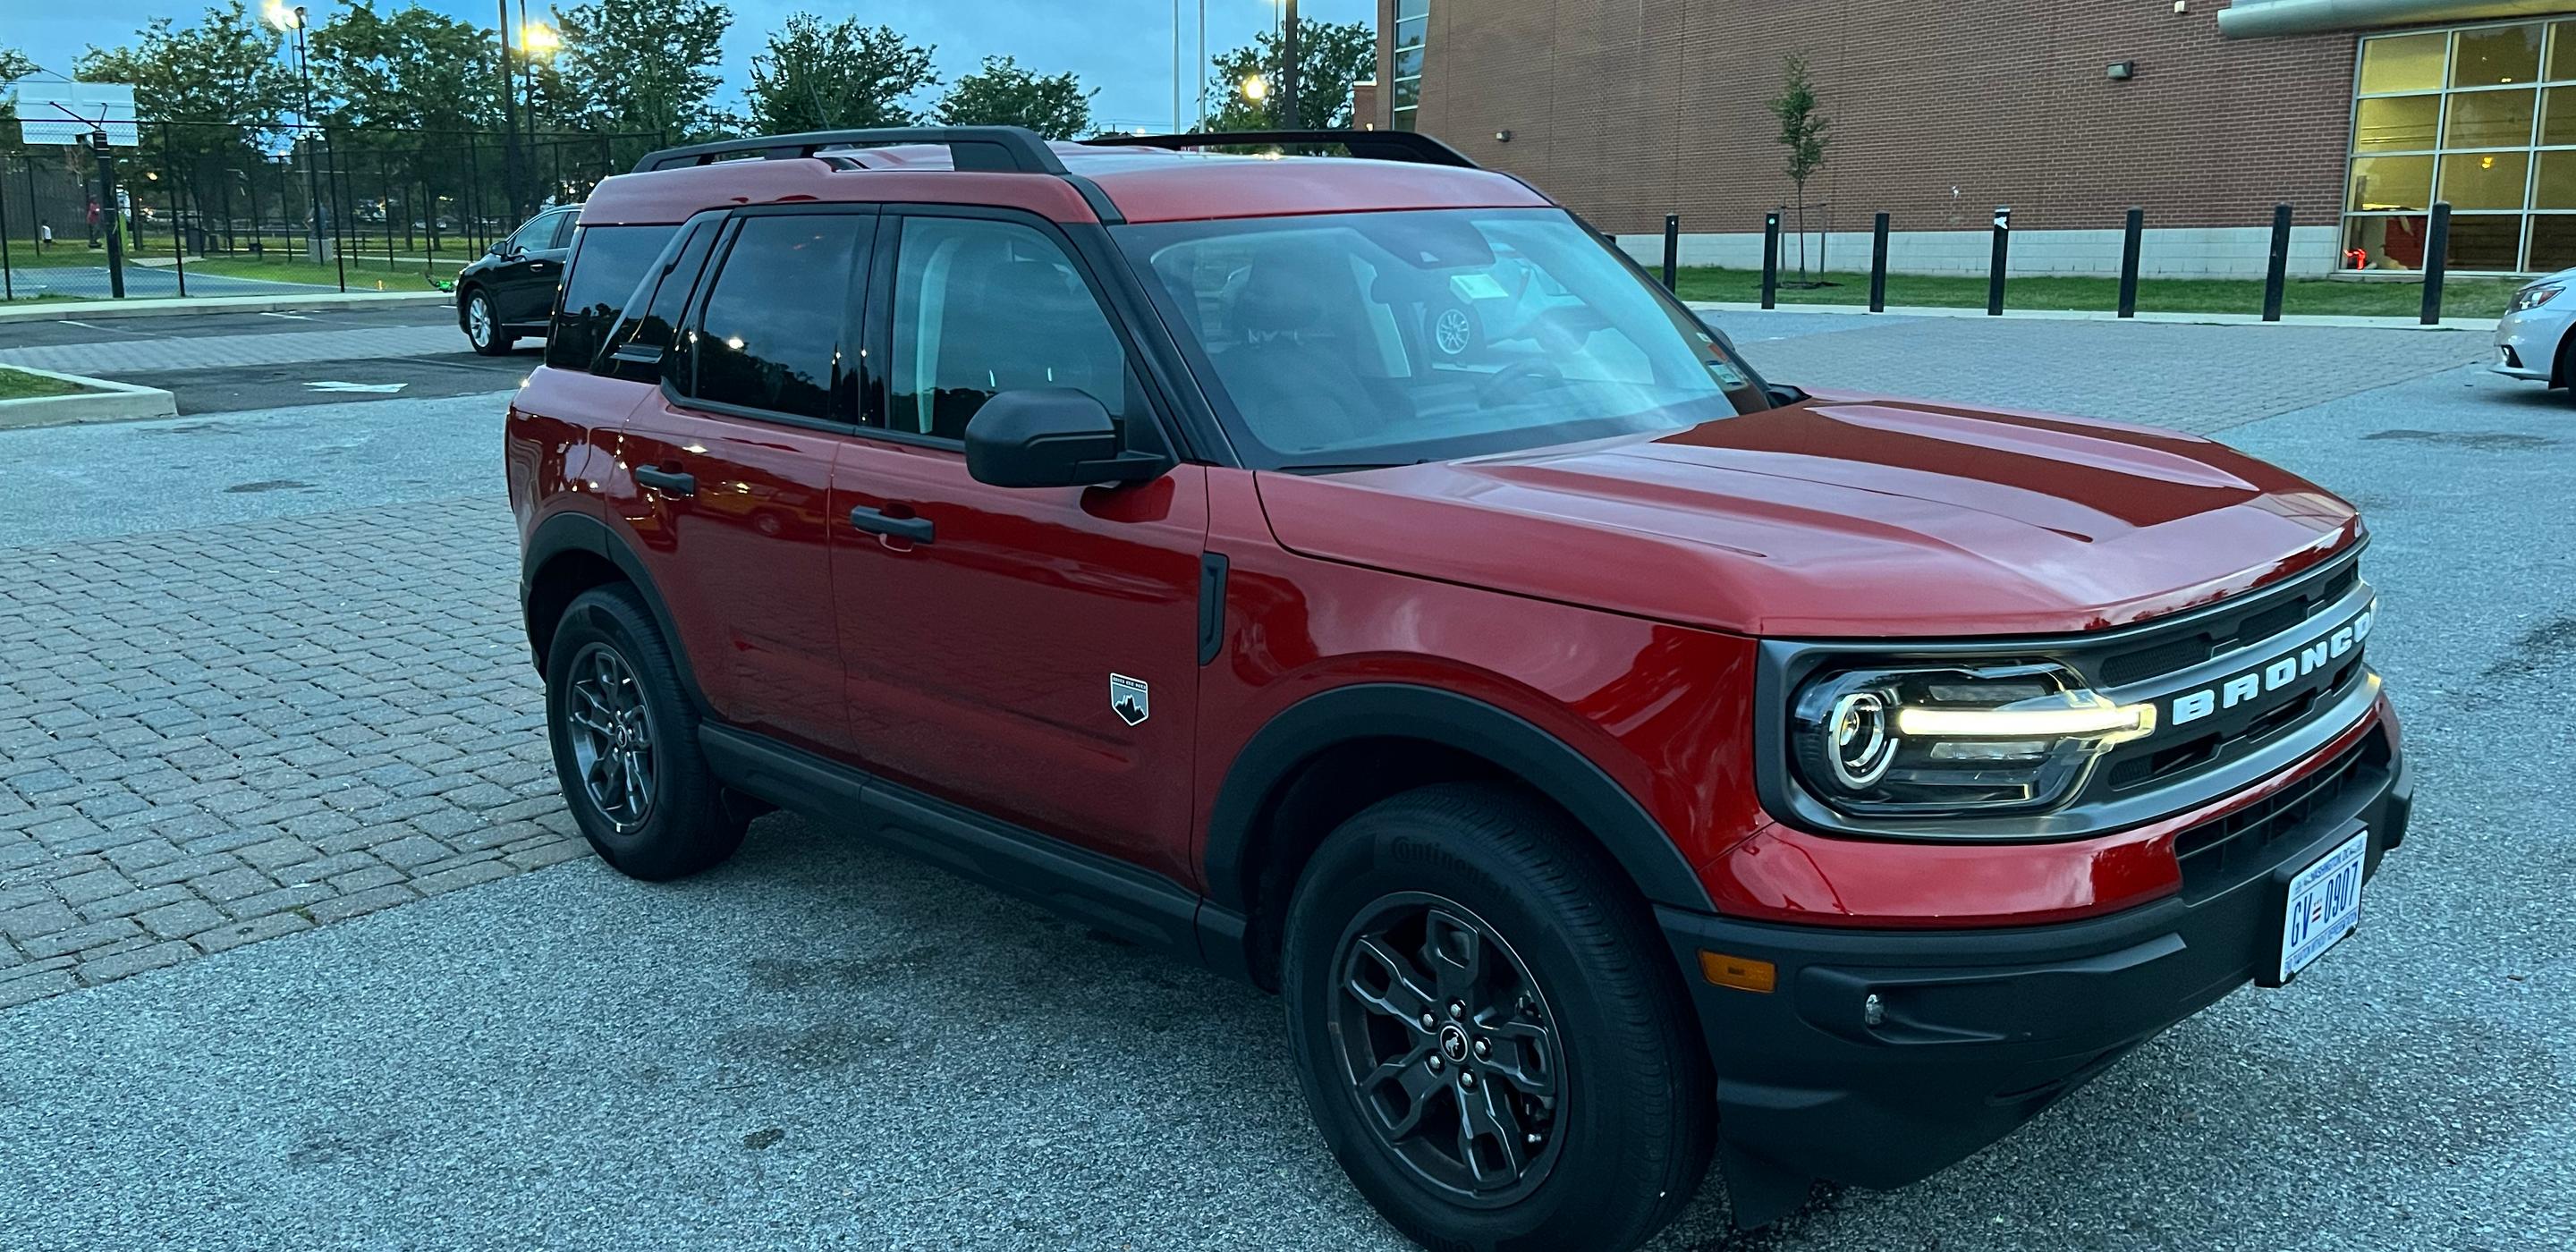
<point>483,326</point>
<point>1488,1029</point>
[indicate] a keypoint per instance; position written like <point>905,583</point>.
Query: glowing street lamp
<point>282,15</point>
<point>1256,88</point>
<point>537,39</point>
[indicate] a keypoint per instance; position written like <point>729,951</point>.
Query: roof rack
<point>987,149</point>
<point>1367,145</point>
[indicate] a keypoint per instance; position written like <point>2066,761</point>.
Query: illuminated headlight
<point>1987,738</point>
<point>2533,297</point>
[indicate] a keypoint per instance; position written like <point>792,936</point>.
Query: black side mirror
<point>1052,437</point>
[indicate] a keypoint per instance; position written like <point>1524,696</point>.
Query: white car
<point>2531,339</point>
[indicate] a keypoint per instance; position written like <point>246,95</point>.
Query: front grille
<point>2219,854</point>
<point>2260,618</point>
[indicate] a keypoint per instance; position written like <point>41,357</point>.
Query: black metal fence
<point>2432,274</point>
<point>265,210</point>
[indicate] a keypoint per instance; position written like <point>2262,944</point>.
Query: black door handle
<point>916,529</point>
<point>667,482</point>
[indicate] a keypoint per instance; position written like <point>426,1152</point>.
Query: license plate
<point>2323,906</point>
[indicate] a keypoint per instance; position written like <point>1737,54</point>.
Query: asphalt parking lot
<point>468,1033</point>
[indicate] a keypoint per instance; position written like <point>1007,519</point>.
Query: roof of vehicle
<point>1145,184</point>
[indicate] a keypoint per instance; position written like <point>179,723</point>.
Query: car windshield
<point>1347,341</point>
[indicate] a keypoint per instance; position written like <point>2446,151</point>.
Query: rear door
<point>1030,653</point>
<point>731,460</point>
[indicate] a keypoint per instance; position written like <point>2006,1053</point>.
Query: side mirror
<point>1052,437</point>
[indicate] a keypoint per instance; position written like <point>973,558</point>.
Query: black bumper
<point>1977,1031</point>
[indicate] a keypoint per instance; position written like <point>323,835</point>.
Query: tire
<point>615,711</point>
<point>476,311</point>
<point>1577,999</point>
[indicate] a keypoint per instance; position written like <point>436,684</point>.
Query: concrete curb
<point>2482,325</point>
<point>320,298</point>
<point>103,401</point>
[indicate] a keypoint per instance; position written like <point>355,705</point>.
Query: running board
<point>1098,891</point>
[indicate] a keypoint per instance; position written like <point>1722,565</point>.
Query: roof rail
<point>987,149</point>
<point>1367,145</point>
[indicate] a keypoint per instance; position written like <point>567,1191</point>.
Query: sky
<point>1122,47</point>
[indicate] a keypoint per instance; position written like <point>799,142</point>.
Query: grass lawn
<point>364,272</point>
<point>21,385</point>
<point>2461,297</point>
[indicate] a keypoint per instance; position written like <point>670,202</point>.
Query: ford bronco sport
<point>1614,759</point>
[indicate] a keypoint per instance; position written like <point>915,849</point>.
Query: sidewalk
<point>2481,325</point>
<point>307,298</point>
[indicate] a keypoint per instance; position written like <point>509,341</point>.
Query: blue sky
<point>1123,47</point>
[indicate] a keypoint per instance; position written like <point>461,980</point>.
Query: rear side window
<point>638,347</point>
<point>770,335</point>
<point>611,262</point>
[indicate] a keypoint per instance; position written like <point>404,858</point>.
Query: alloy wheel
<point>612,736</point>
<point>1451,331</point>
<point>478,320</point>
<point>1449,1048</point>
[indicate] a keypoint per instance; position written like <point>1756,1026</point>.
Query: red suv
<point>1613,758</point>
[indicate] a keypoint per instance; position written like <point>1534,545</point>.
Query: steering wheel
<point>1518,373</point>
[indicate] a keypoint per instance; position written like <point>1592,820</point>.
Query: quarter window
<point>982,307</point>
<point>770,336</point>
<point>604,275</point>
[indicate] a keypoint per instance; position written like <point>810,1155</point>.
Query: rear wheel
<point>482,324</point>
<point>626,743</point>
<point>1487,1028</point>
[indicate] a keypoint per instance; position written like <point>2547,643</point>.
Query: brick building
<point>2356,113</point>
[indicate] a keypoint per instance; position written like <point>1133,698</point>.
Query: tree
<point>840,75</point>
<point>1802,133</point>
<point>14,65</point>
<point>644,67</point>
<point>412,69</point>
<point>1003,93</point>
<point>1330,57</point>
<point>208,92</point>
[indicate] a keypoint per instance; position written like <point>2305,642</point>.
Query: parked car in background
<point>2531,340</point>
<point>510,290</point>
<point>1614,759</point>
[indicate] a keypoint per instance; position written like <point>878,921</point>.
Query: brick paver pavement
<point>213,737</point>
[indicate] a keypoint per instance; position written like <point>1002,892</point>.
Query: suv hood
<point>1840,516</point>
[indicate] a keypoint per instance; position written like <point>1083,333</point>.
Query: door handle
<point>916,529</point>
<point>666,481</point>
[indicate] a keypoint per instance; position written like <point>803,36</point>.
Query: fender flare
<point>1401,710</point>
<point>580,532</point>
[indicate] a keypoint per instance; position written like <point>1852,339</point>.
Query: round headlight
<point>1864,744</point>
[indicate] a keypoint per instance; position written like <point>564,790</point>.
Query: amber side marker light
<point>1742,973</point>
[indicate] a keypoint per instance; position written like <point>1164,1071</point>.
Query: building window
<point>2483,117</point>
<point>1412,26</point>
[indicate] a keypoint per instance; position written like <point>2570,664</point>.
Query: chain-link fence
<point>210,210</point>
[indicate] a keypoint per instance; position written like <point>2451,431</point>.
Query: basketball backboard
<point>55,111</point>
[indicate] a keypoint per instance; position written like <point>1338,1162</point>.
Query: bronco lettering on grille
<point>2274,674</point>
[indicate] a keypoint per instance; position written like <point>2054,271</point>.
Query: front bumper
<point>1974,1032</point>
<point>2526,343</point>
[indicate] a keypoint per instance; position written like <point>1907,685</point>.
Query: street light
<point>286,17</point>
<point>539,40</point>
<point>1256,88</point>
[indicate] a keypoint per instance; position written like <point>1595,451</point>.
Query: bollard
<point>2131,236</point>
<point>1770,260</point>
<point>8,281</point>
<point>2276,274</point>
<point>1672,249</point>
<point>2437,246</point>
<point>1878,264</point>
<point>1995,264</point>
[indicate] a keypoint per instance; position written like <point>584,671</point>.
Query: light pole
<point>536,39</point>
<point>509,120</point>
<point>1288,70</point>
<point>286,18</point>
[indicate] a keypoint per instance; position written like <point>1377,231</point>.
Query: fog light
<point>1740,972</point>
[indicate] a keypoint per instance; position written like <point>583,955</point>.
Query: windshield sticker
<point>1476,287</point>
<point>1727,375</point>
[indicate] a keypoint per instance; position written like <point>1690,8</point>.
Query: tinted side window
<point>770,335</point>
<point>561,235</point>
<point>651,320</point>
<point>982,307</point>
<point>612,260</point>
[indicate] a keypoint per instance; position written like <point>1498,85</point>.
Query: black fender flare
<point>1402,710</point>
<point>580,532</point>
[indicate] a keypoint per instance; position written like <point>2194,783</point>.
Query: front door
<point>523,288</point>
<point>1030,653</point>
<point>735,458</point>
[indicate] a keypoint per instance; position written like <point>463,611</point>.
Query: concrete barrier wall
<point>2172,252</point>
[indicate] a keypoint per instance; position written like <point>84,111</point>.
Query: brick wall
<point>1629,109</point>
